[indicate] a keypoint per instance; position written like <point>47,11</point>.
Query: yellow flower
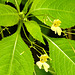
<point>42,62</point>
<point>56,22</point>
<point>55,27</point>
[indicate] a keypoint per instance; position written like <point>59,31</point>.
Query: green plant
<point>15,51</point>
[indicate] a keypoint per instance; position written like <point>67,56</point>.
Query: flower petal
<point>59,30</point>
<point>39,64</point>
<point>46,66</point>
<point>53,28</point>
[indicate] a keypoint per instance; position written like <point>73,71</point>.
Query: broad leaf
<point>34,29</point>
<point>67,46</point>
<point>63,58</point>
<point>63,10</point>
<point>11,62</point>
<point>8,15</point>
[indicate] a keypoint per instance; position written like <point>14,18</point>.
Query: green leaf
<point>63,10</point>
<point>8,15</point>
<point>25,9</point>
<point>1,1</point>
<point>11,62</point>
<point>63,58</point>
<point>67,46</point>
<point>12,1</point>
<point>34,29</point>
<point>24,1</point>
<point>41,71</point>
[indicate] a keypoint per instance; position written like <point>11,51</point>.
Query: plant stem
<point>45,26</point>
<point>17,6</point>
<point>49,19</point>
<point>31,47</point>
<point>19,26</point>
<point>37,50</point>
<point>7,29</point>
<point>70,43</point>
<point>26,35</point>
<point>1,32</point>
<point>34,72</point>
<point>70,33</point>
<point>41,48</point>
<point>54,73</point>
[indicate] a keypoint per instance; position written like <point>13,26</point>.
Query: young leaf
<point>11,62</point>
<point>8,15</point>
<point>63,10</point>
<point>25,9</point>
<point>62,56</point>
<point>34,29</point>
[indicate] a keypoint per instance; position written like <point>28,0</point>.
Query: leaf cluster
<point>35,18</point>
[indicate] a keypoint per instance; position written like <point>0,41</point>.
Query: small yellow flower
<point>55,27</point>
<point>42,62</point>
<point>56,22</point>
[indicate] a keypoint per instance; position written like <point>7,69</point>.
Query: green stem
<point>70,43</point>
<point>34,72</point>
<point>0,28</point>
<point>70,33</point>
<point>1,32</point>
<point>37,50</point>
<point>54,73</point>
<point>17,6</point>
<point>45,26</point>
<point>31,47</point>
<point>49,19</point>
<point>19,27</point>
<point>38,15</point>
<point>40,48</point>
<point>26,35</point>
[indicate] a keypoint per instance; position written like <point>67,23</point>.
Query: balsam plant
<point>37,15</point>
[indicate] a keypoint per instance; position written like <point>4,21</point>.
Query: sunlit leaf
<point>55,9</point>
<point>63,58</point>
<point>11,62</point>
<point>8,15</point>
<point>11,1</point>
<point>34,29</point>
